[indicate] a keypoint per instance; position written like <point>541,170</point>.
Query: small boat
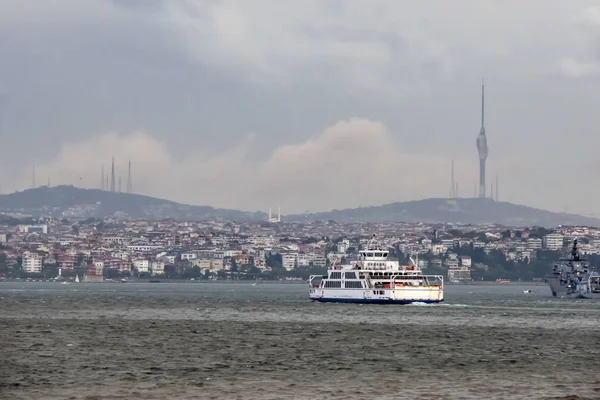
<point>527,291</point>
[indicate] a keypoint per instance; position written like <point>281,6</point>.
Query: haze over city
<point>310,105</point>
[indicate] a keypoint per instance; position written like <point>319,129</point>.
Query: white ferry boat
<point>376,279</point>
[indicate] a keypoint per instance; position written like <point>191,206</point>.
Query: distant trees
<point>4,269</point>
<point>495,264</point>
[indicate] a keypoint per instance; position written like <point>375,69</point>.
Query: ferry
<point>376,279</point>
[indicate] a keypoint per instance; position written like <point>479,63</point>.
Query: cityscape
<point>318,199</point>
<point>95,250</point>
<point>118,248</point>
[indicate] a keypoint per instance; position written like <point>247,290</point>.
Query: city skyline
<point>211,100</point>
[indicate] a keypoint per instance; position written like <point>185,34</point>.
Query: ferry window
<point>333,284</point>
<point>336,275</point>
<point>353,285</point>
<point>350,275</point>
<point>370,254</point>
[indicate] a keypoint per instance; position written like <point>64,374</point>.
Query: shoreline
<point>275,282</point>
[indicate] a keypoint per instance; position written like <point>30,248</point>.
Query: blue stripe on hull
<point>373,301</point>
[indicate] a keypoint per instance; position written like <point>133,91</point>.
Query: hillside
<point>70,201</point>
<point>468,211</point>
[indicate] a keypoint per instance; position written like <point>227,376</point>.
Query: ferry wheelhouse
<point>376,279</point>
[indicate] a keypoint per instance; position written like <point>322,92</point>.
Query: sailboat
<point>76,278</point>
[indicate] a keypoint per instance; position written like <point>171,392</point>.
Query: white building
<point>157,267</point>
<point>289,260</point>
<point>217,264</point>
<point>553,241</point>
<point>459,274</point>
<point>534,243</point>
<point>304,260</point>
<point>438,249</point>
<point>143,248</point>
<point>465,261</point>
<point>451,261</point>
<point>319,260</point>
<point>343,246</point>
<point>188,256</point>
<point>32,263</point>
<point>142,265</point>
<point>204,264</point>
<point>33,228</point>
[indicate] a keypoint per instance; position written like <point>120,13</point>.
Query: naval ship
<point>573,277</point>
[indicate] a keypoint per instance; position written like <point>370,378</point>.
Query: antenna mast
<point>129,187</point>
<point>452,184</point>
<point>496,187</point>
<point>112,177</point>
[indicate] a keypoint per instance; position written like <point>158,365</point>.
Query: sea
<point>239,341</point>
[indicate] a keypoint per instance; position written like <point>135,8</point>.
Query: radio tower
<point>129,187</point>
<point>33,177</point>
<point>112,176</point>
<point>482,147</point>
<point>496,187</point>
<point>452,184</point>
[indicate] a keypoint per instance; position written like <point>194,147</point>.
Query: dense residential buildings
<point>95,250</point>
<point>32,263</point>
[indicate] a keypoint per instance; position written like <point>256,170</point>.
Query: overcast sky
<point>311,105</point>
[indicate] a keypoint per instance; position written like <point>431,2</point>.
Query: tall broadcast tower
<point>112,176</point>
<point>482,147</point>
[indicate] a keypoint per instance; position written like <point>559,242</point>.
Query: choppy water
<point>235,341</point>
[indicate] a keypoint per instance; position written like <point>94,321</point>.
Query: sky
<point>309,105</point>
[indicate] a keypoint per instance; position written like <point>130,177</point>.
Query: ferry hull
<point>372,301</point>
<point>378,296</point>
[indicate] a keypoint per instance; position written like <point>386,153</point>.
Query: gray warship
<point>573,277</point>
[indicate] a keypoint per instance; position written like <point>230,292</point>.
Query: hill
<point>70,201</point>
<point>468,211</point>
<point>73,202</point>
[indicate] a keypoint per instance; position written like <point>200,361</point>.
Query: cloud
<point>283,43</point>
<point>387,47</point>
<point>354,162</point>
<point>576,69</point>
<point>197,73</point>
<point>583,57</point>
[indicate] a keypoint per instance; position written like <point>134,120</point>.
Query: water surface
<point>212,340</point>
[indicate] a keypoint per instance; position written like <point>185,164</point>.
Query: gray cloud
<point>200,76</point>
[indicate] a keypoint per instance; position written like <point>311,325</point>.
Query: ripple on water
<point>219,341</point>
